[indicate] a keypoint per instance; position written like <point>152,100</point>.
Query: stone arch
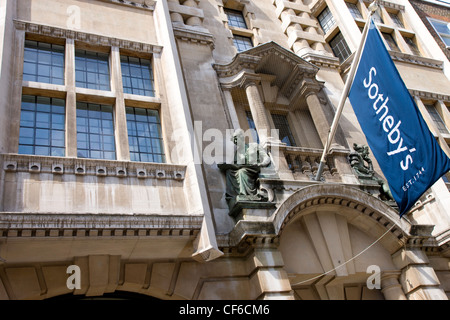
<point>324,231</point>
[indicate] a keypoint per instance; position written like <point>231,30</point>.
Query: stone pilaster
<point>418,278</point>
<point>269,278</point>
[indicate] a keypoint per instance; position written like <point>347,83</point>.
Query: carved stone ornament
<point>363,169</point>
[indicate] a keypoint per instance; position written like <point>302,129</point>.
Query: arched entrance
<point>337,243</point>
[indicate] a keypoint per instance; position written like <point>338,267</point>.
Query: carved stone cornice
<point>418,60</point>
<point>26,225</point>
<point>194,36</point>
<point>94,39</point>
<point>240,62</point>
<point>429,95</point>
<point>140,4</point>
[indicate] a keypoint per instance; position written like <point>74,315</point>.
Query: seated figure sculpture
<point>242,176</point>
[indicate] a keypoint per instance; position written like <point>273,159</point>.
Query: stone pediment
<point>290,72</point>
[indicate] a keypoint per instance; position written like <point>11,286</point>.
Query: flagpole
<point>348,83</point>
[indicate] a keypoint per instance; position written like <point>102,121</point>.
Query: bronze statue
<point>242,176</point>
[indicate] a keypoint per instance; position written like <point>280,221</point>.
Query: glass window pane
<point>95,131</point>
<point>92,70</point>
<point>339,47</point>
<point>144,135</point>
<point>326,20</point>
<point>43,62</point>
<point>40,127</point>
<point>137,74</point>
<point>281,123</point>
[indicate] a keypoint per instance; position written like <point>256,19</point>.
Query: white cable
<point>351,259</point>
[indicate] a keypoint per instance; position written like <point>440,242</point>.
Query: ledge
<point>96,225</point>
<point>81,166</point>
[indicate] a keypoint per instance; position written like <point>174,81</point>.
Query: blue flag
<point>406,150</point>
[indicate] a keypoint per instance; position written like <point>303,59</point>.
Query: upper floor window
<point>242,43</point>
<point>42,125</point>
<point>137,76</point>
<point>396,19</point>
<point>340,47</point>
<point>437,118</point>
<point>236,19</point>
<point>390,41</point>
<point>326,20</point>
<point>92,70</point>
<point>412,45</point>
<point>443,30</point>
<point>43,62</point>
<point>144,135</point>
<point>284,131</point>
<point>354,10</point>
<point>95,131</point>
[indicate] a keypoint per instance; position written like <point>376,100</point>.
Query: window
<point>137,76</point>
<point>326,20</point>
<point>235,19</point>
<point>413,46</point>
<point>396,20</point>
<point>390,41</point>
<point>91,70</point>
<point>252,126</point>
<point>339,47</point>
<point>437,118</point>
<point>42,124</point>
<point>43,62</point>
<point>281,123</point>
<point>242,43</point>
<point>443,30</point>
<point>354,10</point>
<point>95,131</point>
<point>144,135</point>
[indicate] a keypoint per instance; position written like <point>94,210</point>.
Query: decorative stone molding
<point>418,60</point>
<point>141,4</point>
<point>97,225</point>
<point>80,166</point>
<point>92,39</point>
<point>429,95</point>
<point>192,35</point>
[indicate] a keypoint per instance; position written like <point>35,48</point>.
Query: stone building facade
<point>115,119</point>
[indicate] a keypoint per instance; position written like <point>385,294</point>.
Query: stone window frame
<point>115,96</point>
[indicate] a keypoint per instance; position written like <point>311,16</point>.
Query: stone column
<point>318,115</point>
<point>269,279</point>
<point>71,100</point>
<point>231,108</point>
<point>120,124</point>
<point>391,287</point>
<point>418,279</point>
<point>258,111</point>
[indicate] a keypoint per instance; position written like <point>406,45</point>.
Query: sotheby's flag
<point>408,154</point>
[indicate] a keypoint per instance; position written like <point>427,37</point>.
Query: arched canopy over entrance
<point>330,236</point>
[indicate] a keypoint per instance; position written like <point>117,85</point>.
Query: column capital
<point>249,79</point>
